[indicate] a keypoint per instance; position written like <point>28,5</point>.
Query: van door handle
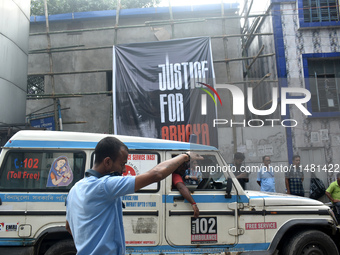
<point>179,198</point>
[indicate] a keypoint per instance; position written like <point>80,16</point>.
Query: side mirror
<point>229,187</point>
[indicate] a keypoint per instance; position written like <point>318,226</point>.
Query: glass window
<point>324,84</point>
<point>41,171</point>
<point>204,174</point>
<point>320,10</point>
<point>35,85</point>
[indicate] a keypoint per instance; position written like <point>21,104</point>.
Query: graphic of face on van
<point>60,173</point>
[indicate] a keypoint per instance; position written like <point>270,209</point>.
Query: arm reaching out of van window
<point>185,192</point>
<point>164,169</point>
<point>177,182</point>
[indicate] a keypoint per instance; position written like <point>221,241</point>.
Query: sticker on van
<point>203,230</point>
<point>60,173</point>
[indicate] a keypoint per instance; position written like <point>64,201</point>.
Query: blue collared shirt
<point>94,213</point>
<point>267,179</point>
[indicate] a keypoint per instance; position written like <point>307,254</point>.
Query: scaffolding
<point>247,35</point>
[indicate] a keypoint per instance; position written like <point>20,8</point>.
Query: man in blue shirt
<point>265,177</point>
<point>94,207</point>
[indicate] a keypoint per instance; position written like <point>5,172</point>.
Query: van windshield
<point>41,170</point>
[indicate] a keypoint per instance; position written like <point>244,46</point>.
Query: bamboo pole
<point>107,70</point>
<point>74,122</point>
<point>262,79</point>
<point>146,24</point>
<point>246,18</point>
<point>255,58</point>
<point>171,21</point>
<point>239,35</point>
<point>244,58</point>
<point>63,95</point>
<point>74,72</point>
<point>117,24</point>
<point>51,74</point>
<point>76,47</point>
<point>251,81</point>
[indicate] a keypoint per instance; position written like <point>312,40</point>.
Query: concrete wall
<point>95,110</point>
<point>14,27</point>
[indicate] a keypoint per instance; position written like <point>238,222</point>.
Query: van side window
<point>204,174</point>
<point>41,170</point>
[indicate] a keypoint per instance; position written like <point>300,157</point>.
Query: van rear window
<point>45,170</point>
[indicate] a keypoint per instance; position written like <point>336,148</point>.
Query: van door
<point>142,222</point>
<point>12,206</point>
<point>33,188</point>
<point>13,203</point>
<point>217,224</point>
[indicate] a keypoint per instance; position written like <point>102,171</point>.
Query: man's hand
<point>196,210</point>
<point>194,156</point>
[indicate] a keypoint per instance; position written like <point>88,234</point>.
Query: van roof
<point>79,140</point>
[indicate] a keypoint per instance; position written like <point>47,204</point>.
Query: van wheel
<point>65,247</point>
<point>310,242</point>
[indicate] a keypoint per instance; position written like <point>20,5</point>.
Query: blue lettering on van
<point>22,197</point>
<point>140,204</point>
<point>130,198</point>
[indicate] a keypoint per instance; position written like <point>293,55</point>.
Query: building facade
<point>74,60</point>
<point>306,43</point>
<point>14,27</point>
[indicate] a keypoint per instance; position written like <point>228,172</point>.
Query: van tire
<point>310,242</point>
<point>65,247</point>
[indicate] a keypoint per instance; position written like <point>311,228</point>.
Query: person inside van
<point>177,182</point>
<point>241,175</point>
<point>192,176</point>
<point>94,214</point>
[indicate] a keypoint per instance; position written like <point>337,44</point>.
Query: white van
<point>157,219</point>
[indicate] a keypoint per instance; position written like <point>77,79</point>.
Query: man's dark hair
<point>296,156</point>
<point>239,155</point>
<point>338,175</point>
<point>108,147</point>
<point>265,157</point>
